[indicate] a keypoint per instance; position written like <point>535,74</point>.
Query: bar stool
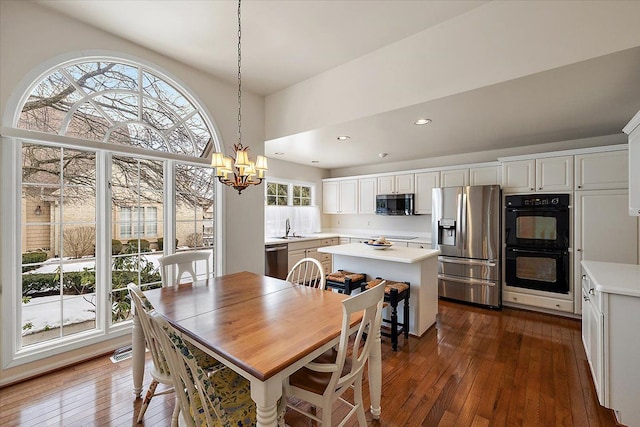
<point>345,281</point>
<point>394,292</point>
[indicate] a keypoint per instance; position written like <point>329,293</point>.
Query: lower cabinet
<point>610,324</point>
<point>309,249</point>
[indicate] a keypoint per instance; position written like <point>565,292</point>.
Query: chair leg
<point>394,327</point>
<point>176,413</point>
<point>406,317</point>
<point>147,399</point>
<point>357,399</point>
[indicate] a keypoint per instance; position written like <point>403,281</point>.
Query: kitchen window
<point>285,193</point>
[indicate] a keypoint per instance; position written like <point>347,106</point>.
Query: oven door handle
<point>538,252</point>
<point>487,263</point>
<point>509,209</point>
<point>466,280</point>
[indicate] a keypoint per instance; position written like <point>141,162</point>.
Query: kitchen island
<point>417,266</point>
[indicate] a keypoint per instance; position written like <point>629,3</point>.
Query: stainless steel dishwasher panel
<point>276,258</point>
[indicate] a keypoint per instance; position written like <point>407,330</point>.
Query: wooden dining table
<point>263,328</point>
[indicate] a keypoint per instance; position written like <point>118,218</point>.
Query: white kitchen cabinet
<point>340,197</point>
<point>396,184</point>
<point>545,174</point>
<point>602,171</point>
<point>593,333</point>
<point>633,130</point>
<point>554,174</point>
<point>611,320</point>
<point>309,249</point>
<point>485,175</point>
<point>367,195</point>
<point>425,182</point>
<point>602,230</point>
<point>454,177</point>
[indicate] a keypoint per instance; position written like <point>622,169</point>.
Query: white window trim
<point>10,213</point>
<point>290,183</point>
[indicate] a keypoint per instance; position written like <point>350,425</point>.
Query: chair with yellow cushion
<point>160,371</point>
<point>206,400</point>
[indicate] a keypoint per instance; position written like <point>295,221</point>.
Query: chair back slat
<point>307,272</point>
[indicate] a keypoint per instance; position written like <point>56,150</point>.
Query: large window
<point>131,135</point>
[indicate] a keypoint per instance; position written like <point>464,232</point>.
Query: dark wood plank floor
<point>478,367</point>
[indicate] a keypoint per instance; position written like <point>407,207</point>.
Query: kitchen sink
<point>290,237</point>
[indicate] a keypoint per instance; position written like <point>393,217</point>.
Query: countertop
<point>365,235</point>
<point>393,254</point>
<point>315,236</point>
<point>614,278</point>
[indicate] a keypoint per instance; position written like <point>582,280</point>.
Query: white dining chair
<point>308,272</point>
<point>174,267</point>
<point>160,371</point>
<point>220,398</point>
<point>325,380</point>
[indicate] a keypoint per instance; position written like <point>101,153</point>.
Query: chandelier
<point>239,171</point>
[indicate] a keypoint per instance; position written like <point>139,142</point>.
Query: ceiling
<point>287,43</point>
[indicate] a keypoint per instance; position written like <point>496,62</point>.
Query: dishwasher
<point>276,258</point>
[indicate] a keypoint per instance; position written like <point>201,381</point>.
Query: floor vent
<point>122,353</point>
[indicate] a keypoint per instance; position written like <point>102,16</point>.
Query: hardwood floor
<point>478,367</point>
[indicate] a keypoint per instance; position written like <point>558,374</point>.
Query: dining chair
<point>326,378</point>
<point>182,263</point>
<point>160,371</point>
<point>220,399</point>
<point>308,272</point>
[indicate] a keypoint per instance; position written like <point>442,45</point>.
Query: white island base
<point>417,266</point>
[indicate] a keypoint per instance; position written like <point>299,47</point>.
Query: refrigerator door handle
<point>465,280</point>
<point>463,222</point>
<point>463,261</point>
<point>459,220</point>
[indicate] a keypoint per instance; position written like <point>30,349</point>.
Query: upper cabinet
<point>425,182</point>
<point>454,177</point>
<point>602,171</point>
<point>396,184</point>
<point>485,175</point>
<point>367,195</point>
<point>340,197</point>
<point>633,130</point>
<point>545,174</point>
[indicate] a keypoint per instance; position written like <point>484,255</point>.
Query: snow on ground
<point>45,312</point>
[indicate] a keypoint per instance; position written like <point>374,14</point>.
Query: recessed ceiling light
<point>278,153</point>
<point>315,161</point>
<point>343,138</point>
<point>383,155</point>
<point>420,122</point>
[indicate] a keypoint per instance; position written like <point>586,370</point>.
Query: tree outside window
<point>277,194</point>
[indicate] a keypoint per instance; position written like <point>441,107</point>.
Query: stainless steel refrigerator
<point>466,229</point>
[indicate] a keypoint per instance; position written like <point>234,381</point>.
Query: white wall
<point>31,36</point>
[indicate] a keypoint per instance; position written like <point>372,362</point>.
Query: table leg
<point>375,376</point>
<point>266,395</point>
<point>137,356</point>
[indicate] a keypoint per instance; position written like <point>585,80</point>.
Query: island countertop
<point>614,278</point>
<point>393,254</point>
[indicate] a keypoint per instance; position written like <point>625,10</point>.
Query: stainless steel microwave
<point>394,204</point>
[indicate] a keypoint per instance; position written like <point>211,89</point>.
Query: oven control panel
<point>547,200</point>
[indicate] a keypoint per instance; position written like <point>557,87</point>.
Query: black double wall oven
<point>537,242</point>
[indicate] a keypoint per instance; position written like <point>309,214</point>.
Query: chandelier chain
<point>239,77</point>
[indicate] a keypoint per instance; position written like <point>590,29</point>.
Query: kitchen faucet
<point>287,228</point>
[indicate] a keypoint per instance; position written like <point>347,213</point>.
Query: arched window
<point>112,175</point>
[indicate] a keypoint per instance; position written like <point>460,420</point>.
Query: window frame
<point>11,218</point>
<point>290,186</point>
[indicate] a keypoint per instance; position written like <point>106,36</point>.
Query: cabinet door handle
<point>579,186</point>
<point>586,298</point>
<point>591,292</point>
<point>579,250</point>
<point>539,188</point>
<point>584,277</point>
<point>532,189</point>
